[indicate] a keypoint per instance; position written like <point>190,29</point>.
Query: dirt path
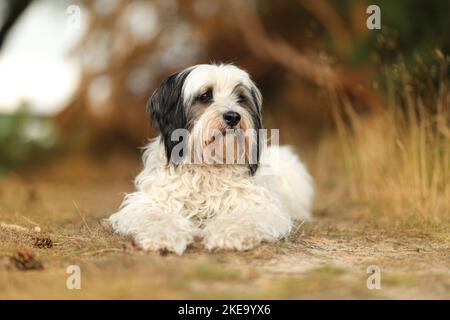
<point>326,258</point>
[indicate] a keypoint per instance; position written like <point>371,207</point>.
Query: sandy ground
<point>326,258</point>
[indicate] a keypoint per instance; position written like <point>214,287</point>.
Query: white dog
<point>187,191</point>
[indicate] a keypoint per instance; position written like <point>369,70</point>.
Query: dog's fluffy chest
<point>196,190</point>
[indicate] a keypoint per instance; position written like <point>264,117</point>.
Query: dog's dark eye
<point>242,98</point>
<point>205,97</point>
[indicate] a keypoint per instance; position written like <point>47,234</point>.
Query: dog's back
<point>289,178</point>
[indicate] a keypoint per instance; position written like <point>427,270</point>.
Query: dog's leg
<point>155,225</point>
<point>249,224</point>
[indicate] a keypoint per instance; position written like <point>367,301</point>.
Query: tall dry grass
<point>397,162</point>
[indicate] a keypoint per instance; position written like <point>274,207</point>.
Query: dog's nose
<point>231,118</point>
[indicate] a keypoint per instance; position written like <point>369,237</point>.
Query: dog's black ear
<point>257,122</point>
<point>257,97</point>
<point>167,111</point>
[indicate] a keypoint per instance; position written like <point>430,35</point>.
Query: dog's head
<point>218,106</point>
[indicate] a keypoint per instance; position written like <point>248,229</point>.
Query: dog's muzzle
<point>231,118</point>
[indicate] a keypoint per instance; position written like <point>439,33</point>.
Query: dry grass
<point>397,162</point>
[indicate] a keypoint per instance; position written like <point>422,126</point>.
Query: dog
<point>186,192</point>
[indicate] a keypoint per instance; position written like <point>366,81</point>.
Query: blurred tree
<point>14,9</point>
<point>128,48</point>
<point>23,137</point>
<point>294,49</point>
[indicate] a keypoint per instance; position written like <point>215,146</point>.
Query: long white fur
<point>222,205</point>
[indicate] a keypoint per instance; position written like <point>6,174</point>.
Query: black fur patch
<point>257,121</point>
<point>253,103</point>
<point>167,111</point>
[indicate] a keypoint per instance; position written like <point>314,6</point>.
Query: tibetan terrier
<point>209,174</point>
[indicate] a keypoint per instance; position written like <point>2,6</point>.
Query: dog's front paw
<point>230,242</point>
<point>174,241</point>
<point>230,237</point>
<point>155,231</point>
<point>239,232</point>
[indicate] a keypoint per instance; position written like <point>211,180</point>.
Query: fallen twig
<point>19,228</point>
<point>81,216</point>
<point>93,253</point>
<point>30,221</point>
<point>14,227</point>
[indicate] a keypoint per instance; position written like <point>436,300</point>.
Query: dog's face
<point>218,105</point>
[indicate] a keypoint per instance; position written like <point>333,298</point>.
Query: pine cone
<point>25,260</point>
<point>43,243</point>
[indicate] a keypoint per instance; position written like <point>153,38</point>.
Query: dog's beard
<point>213,142</point>
<point>225,147</point>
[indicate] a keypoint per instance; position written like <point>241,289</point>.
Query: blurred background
<point>75,75</point>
